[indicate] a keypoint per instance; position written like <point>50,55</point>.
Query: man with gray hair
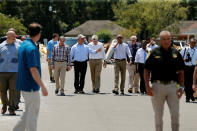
<point>132,68</point>
<point>79,54</point>
<point>60,62</point>
<point>95,61</point>
<point>166,67</point>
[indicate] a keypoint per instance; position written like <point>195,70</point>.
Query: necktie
<point>145,56</point>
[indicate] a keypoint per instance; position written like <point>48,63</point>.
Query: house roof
<point>188,27</point>
<point>91,27</point>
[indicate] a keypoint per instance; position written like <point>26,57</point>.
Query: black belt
<point>164,82</point>
<point>120,59</point>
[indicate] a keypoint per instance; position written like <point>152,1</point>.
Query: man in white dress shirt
<point>152,45</point>
<point>189,56</point>
<point>140,59</point>
<point>121,51</point>
<point>95,61</point>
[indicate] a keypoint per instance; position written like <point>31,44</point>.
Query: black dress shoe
<point>4,109</point>
<point>16,107</point>
<point>81,92</point>
<point>97,90</point>
<point>56,91</point>
<point>12,113</point>
<point>115,92</point>
<point>76,92</point>
<point>187,100</point>
<point>62,94</point>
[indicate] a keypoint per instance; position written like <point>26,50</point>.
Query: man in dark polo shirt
<point>29,81</point>
<point>166,66</point>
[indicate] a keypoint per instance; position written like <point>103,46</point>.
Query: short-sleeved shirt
<point>9,56</point>
<point>29,56</point>
<point>50,46</point>
<point>192,54</point>
<point>164,64</point>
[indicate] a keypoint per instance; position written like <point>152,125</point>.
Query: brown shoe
<point>4,109</point>
<point>130,90</point>
<point>12,113</point>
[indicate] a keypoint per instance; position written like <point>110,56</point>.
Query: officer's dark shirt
<point>164,64</point>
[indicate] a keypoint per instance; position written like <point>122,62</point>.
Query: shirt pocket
<point>14,60</point>
<point>1,60</point>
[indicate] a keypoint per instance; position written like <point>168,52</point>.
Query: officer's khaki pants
<point>28,120</point>
<point>133,77</point>
<point>95,69</point>
<point>169,94</point>
<point>49,67</point>
<point>60,73</point>
<point>120,67</point>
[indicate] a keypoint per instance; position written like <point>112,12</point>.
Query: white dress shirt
<point>193,55</point>
<point>122,51</point>
<point>98,55</point>
<point>140,56</point>
<point>151,47</point>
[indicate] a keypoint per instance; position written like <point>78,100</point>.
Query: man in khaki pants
<point>50,46</point>
<point>60,62</point>
<point>121,51</point>
<point>166,67</point>
<point>95,61</point>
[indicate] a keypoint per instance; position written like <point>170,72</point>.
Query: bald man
<point>166,66</point>
<point>8,72</point>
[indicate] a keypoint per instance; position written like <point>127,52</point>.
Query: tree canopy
<point>7,22</point>
<point>148,17</point>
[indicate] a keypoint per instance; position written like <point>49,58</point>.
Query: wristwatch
<point>182,88</point>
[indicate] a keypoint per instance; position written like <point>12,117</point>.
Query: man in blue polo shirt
<point>29,81</point>
<point>50,46</point>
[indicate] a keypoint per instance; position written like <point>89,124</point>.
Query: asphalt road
<point>99,112</point>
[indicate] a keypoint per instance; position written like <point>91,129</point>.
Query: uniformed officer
<point>189,56</point>
<point>166,66</point>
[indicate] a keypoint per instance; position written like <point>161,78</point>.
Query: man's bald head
<point>165,39</point>
<point>11,36</point>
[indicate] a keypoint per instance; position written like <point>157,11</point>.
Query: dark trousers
<point>142,83</point>
<point>80,73</point>
<point>8,83</point>
<point>188,72</point>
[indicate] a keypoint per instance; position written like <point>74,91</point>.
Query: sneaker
<point>62,94</point>
<point>56,91</point>
<point>115,92</point>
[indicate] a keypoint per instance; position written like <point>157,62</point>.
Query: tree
<point>149,17</point>
<point>7,22</point>
<point>104,35</point>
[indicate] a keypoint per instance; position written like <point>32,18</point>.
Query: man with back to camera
<point>166,67</point>
<point>29,79</point>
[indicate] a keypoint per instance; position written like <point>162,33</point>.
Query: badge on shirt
<point>157,57</point>
<point>174,55</point>
<point>148,54</point>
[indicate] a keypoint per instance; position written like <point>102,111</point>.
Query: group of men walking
<point>163,66</point>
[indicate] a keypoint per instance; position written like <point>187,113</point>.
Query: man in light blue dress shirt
<point>50,46</point>
<point>121,51</point>
<point>79,54</point>
<point>8,72</point>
